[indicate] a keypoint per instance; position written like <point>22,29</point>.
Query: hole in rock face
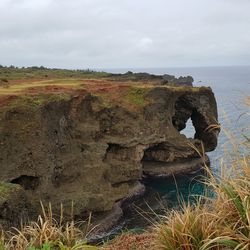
<point>27,182</point>
<point>112,151</point>
<point>183,119</point>
<point>113,148</point>
<point>118,152</point>
<point>189,130</point>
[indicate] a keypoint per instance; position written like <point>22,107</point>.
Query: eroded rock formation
<point>84,150</point>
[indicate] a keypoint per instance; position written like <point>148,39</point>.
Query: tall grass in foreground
<point>47,233</point>
<point>219,223</point>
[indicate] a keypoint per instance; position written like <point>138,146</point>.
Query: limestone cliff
<point>94,145</point>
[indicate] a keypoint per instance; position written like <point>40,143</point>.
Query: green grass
<point>14,73</point>
<point>31,103</point>
<point>6,189</point>
<point>16,89</point>
<point>35,72</point>
<point>136,96</point>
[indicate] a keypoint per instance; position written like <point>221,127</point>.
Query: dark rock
<point>13,205</point>
<point>165,169</point>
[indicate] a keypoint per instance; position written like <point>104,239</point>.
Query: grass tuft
<point>47,233</point>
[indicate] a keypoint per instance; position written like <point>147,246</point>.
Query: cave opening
<point>156,152</point>
<point>186,118</point>
<point>118,152</point>
<point>27,182</point>
<point>112,151</point>
<point>113,148</point>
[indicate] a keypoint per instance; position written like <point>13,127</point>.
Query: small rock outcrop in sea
<point>94,146</point>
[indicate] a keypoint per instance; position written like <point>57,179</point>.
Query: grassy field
<point>34,86</point>
<point>14,73</point>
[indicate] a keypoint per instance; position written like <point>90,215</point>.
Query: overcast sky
<point>124,33</point>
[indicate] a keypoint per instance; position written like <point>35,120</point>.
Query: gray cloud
<point>125,33</point>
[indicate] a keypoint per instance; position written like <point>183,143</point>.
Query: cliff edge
<point>92,141</point>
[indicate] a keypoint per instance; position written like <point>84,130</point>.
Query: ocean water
<point>230,85</point>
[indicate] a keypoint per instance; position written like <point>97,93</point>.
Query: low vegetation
<point>6,188</point>
<point>136,96</point>
<point>32,87</point>
<point>47,233</point>
<point>30,103</point>
<point>15,73</point>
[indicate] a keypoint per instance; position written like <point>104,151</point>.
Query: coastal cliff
<point>92,141</point>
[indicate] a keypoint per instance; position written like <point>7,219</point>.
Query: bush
<point>47,234</point>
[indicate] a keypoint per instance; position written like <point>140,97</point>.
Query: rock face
<point>80,149</point>
<point>12,204</point>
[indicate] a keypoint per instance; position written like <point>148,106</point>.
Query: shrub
<point>47,234</point>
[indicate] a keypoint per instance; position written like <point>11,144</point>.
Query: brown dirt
<point>129,241</point>
<point>5,100</point>
<point>49,90</point>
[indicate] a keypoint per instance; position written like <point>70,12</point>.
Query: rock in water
<point>92,148</point>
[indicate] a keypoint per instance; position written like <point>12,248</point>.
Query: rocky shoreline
<point>151,170</point>
<point>162,169</point>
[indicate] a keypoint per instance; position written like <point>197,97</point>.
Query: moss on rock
<point>136,96</point>
<point>7,191</point>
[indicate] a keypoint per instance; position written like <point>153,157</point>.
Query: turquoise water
<point>230,86</point>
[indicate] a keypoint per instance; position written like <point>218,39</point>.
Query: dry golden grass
<point>221,223</point>
<point>47,234</point>
<point>130,241</point>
